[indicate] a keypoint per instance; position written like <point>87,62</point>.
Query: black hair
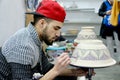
<point>38,17</point>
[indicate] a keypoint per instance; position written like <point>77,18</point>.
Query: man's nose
<point>58,33</point>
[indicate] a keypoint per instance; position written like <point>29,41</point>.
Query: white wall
<point>12,18</point>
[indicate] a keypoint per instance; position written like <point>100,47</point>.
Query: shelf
<point>67,35</point>
<point>81,9</point>
<point>80,22</point>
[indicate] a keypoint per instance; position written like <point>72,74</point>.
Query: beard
<point>45,37</point>
<point>46,40</point>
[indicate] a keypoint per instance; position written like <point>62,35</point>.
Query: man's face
<point>51,32</point>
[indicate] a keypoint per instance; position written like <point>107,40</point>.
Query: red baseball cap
<point>52,10</point>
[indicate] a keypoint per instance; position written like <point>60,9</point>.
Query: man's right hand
<point>62,62</point>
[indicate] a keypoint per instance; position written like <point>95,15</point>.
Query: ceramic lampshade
<point>86,33</point>
<point>91,53</point>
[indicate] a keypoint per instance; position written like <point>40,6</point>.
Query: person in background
<point>105,9</point>
<point>23,50</point>
<point>115,22</point>
<point>110,11</point>
<point>106,30</point>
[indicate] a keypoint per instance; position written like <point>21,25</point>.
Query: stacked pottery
<point>90,52</point>
<point>86,33</point>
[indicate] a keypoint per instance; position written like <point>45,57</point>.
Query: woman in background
<point>105,9</point>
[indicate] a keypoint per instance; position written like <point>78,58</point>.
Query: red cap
<point>52,10</point>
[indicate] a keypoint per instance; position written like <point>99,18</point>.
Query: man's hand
<point>82,72</point>
<point>79,72</point>
<point>62,62</point>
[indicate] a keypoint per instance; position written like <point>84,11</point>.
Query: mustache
<point>55,37</point>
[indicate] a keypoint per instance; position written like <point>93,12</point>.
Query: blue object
<point>106,19</point>
<point>56,48</point>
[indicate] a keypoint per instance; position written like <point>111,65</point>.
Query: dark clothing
<point>25,72</point>
<point>107,31</point>
<point>60,38</point>
<point>5,73</point>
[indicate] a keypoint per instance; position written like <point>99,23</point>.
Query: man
<point>23,50</point>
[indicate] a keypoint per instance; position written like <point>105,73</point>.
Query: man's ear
<point>42,23</point>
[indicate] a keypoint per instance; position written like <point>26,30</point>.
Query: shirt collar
<point>34,34</point>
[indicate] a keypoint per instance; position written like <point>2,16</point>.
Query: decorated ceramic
<point>85,34</point>
<point>91,53</point>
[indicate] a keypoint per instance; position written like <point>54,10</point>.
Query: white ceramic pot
<point>85,34</point>
<point>91,53</point>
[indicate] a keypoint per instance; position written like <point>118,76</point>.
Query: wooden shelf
<point>28,19</point>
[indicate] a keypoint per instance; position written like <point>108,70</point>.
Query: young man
<point>24,53</point>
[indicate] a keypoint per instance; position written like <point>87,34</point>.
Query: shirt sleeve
<point>46,65</point>
<point>102,10</point>
<point>21,54</point>
<point>5,72</point>
<point>20,71</point>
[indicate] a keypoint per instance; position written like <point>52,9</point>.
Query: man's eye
<point>56,28</point>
